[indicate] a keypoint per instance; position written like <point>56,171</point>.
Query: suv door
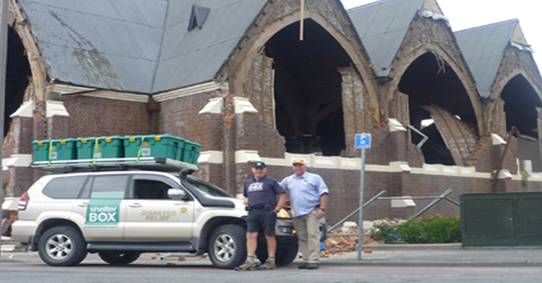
<point>100,207</point>
<point>152,216</point>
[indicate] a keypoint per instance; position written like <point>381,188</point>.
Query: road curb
<point>409,247</point>
<point>428,264</point>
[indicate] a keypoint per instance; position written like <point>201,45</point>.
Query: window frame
<point>77,195</point>
<point>88,187</point>
<point>150,177</point>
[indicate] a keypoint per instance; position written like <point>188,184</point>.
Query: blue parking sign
<point>362,141</point>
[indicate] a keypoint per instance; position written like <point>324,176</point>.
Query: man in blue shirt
<point>264,197</point>
<point>309,199</point>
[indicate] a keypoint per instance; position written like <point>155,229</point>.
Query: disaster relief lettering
<point>158,215</point>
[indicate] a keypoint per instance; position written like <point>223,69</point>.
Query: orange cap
<point>299,161</point>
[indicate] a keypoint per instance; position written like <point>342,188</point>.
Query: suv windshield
<point>207,188</point>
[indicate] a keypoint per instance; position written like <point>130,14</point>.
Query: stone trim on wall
<point>190,90</point>
<point>17,160</point>
<point>26,110</point>
<point>344,163</point>
<point>214,106</point>
<point>211,157</point>
<point>56,108</point>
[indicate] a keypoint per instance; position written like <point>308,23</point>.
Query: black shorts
<point>261,220</point>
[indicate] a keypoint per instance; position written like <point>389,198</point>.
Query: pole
<point>360,214</point>
<point>302,21</point>
<point>3,71</point>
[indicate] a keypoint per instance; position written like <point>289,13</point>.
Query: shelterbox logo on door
<point>103,212</point>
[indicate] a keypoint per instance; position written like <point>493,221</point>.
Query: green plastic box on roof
<point>165,146</point>
<point>57,149</point>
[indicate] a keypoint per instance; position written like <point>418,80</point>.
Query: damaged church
<point>273,81</point>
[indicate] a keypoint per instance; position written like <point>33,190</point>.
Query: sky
<point>470,13</point>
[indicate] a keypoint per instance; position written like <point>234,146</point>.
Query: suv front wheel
<point>62,246</point>
<point>227,246</point>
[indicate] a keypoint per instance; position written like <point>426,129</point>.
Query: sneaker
<point>247,266</point>
<point>268,265</point>
<point>313,266</point>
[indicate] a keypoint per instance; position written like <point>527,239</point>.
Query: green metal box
<point>501,219</point>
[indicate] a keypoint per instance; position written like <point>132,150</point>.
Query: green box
<point>41,150</point>
<point>100,147</point>
<point>165,146</point>
<point>63,149</point>
<point>190,152</point>
<point>108,147</point>
<point>50,150</point>
<point>85,148</point>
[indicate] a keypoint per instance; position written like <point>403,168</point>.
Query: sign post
<point>363,142</point>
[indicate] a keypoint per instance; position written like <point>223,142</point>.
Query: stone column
<point>20,174</point>
<point>355,114</point>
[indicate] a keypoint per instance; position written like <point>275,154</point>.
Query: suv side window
<point>108,186</point>
<point>64,187</point>
<point>150,189</point>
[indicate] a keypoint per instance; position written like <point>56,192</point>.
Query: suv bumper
<point>285,228</point>
<point>23,231</point>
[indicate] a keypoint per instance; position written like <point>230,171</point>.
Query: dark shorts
<point>262,220</point>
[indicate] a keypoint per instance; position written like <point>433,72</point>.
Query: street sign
<point>362,141</point>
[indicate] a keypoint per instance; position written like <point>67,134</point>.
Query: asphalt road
<point>28,268</point>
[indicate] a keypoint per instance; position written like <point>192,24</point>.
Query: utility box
<point>501,219</point>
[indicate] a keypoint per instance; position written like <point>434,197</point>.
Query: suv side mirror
<point>177,194</point>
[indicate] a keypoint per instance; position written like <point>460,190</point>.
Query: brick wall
<point>180,117</point>
<point>90,116</point>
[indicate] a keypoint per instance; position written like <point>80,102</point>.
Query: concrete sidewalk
<point>439,255</point>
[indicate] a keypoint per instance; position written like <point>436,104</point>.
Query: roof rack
<point>114,164</point>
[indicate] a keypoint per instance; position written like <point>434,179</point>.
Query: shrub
<point>435,229</point>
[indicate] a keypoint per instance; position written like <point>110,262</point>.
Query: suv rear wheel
<point>119,258</point>
<point>227,246</point>
<point>62,246</point>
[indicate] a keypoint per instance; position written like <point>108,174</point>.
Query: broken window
<point>520,106</point>
<point>440,108</point>
<point>520,103</point>
<point>307,89</point>
<point>17,76</point>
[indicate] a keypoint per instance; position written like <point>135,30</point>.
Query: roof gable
<point>383,25</point>
<point>483,48</point>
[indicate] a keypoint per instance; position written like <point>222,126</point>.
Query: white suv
<point>121,214</point>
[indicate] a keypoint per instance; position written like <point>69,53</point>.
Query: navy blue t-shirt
<point>262,192</point>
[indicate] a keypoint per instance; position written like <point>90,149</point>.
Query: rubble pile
<point>345,240</point>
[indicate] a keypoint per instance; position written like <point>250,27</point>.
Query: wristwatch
<point>323,209</point>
